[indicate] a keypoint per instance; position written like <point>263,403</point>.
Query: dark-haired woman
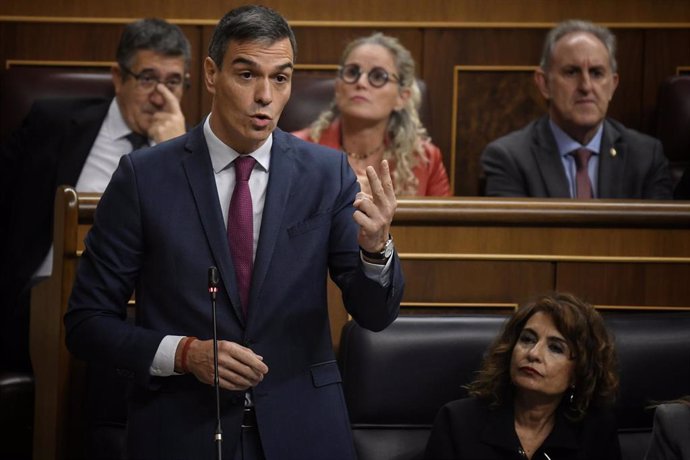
<point>543,392</point>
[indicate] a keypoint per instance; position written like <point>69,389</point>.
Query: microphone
<point>213,280</point>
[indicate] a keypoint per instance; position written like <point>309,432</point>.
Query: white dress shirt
<point>110,144</point>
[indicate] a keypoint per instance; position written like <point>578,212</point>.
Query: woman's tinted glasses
<point>377,76</point>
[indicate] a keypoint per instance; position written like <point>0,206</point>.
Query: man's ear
<point>615,80</point>
<point>116,74</point>
<point>542,82</point>
<point>210,72</point>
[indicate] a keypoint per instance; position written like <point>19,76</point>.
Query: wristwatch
<point>385,253</point>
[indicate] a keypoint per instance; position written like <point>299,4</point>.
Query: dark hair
<point>570,26</point>
<point>596,376</point>
<point>155,35</point>
<point>249,23</point>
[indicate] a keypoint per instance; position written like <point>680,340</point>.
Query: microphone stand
<point>213,289</point>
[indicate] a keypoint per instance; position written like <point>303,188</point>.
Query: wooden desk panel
<point>553,242</point>
<point>630,285</point>
<point>616,253</point>
<point>457,283</point>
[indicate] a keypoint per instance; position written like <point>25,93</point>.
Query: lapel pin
<point>613,152</point>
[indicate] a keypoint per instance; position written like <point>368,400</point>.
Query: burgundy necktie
<point>583,186</point>
<point>241,228</point>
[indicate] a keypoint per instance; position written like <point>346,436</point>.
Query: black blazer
<point>467,429</point>
<point>526,163</point>
<point>49,149</point>
<point>682,191</point>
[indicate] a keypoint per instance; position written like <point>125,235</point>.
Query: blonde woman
<point>374,117</point>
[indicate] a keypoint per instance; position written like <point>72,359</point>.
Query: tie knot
<point>137,140</point>
<point>582,156</point>
<point>243,168</point>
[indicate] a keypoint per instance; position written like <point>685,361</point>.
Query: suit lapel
<point>199,171</point>
<point>280,181</point>
<point>81,134</point>
<point>549,161</point>
<point>611,166</point>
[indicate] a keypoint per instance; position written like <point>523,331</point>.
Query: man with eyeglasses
<point>149,83</point>
<point>79,142</point>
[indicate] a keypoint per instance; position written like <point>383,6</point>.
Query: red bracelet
<point>185,349</point>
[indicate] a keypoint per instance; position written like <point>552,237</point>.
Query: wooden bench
<point>59,378</point>
<point>459,254</point>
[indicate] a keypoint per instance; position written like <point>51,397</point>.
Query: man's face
<point>139,104</point>
<point>249,91</point>
<point>579,84</point>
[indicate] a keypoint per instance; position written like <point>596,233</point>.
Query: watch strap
<point>384,254</point>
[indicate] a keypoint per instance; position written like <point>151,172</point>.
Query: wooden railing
<point>58,418</point>
<point>494,252</point>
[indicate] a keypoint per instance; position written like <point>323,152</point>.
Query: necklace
<point>365,155</point>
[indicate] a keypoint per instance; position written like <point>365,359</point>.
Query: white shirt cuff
<point>163,364</point>
<point>377,272</point>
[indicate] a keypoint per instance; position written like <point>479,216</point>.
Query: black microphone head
<point>213,278</point>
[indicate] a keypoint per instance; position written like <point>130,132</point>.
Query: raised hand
<point>374,211</point>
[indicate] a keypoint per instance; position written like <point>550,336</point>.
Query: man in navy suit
<point>161,224</point>
<point>577,76</point>
<point>79,142</point>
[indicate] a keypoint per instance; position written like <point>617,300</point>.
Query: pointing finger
<point>172,104</point>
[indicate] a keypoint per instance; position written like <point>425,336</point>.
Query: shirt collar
<point>223,155</point>
<point>116,125</point>
<point>567,144</point>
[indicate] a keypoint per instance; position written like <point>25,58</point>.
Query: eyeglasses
<point>377,76</point>
<point>147,80</point>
